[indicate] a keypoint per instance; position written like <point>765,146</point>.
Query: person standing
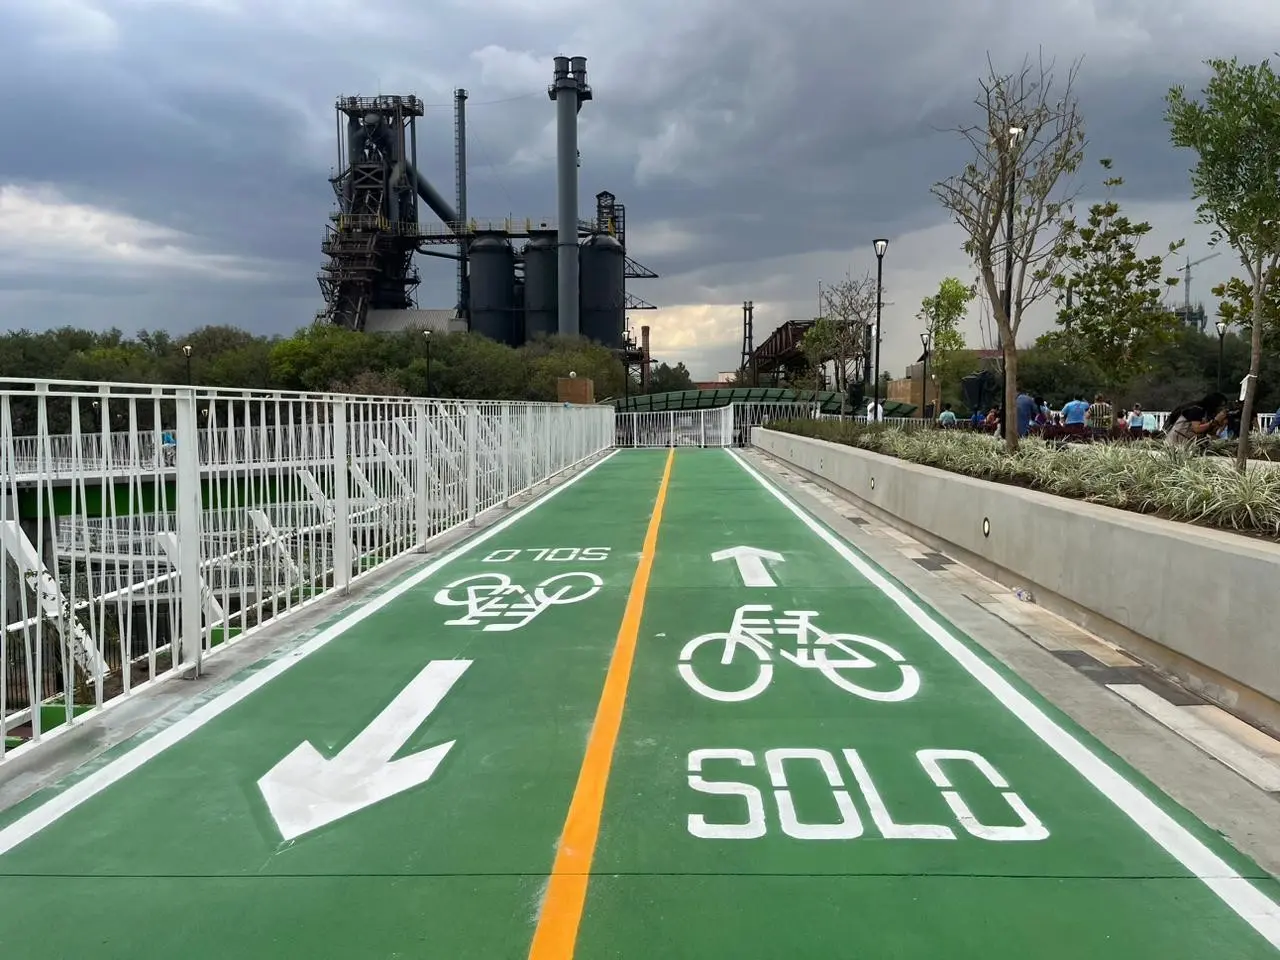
<point>1025,408</point>
<point>1099,418</point>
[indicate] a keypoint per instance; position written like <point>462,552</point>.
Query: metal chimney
<point>644,352</point>
<point>569,89</point>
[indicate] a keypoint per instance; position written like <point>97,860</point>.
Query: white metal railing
<point>142,527</point>
<point>727,426</point>
<point>675,428</point>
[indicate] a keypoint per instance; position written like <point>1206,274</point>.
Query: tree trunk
<point>1010,395</point>
<point>1255,363</point>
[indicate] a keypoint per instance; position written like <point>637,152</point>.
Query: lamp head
<point>881,247</point>
<point>186,350</point>
<point>1222,328</point>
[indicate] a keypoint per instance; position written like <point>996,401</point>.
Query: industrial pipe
<point>438,204</point>
<point>570,90</point>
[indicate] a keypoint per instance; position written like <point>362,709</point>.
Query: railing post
<point>189,650</point>
<point>471,431</point>
<point>702,425</point>
<point>505,438</point>
<point>422,501</point>
<point>342,558</point>
<point>546,442</point>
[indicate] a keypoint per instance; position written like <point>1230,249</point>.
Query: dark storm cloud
<point>742,132</point>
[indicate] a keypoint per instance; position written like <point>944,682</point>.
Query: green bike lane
<point>807,821</point>
<point>186,855</point>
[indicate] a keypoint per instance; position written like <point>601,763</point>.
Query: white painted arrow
<point>304,791</point>
<point>751,566</point>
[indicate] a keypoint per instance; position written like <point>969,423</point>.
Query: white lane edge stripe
<point>1248,902</point>
<point>53,809</point>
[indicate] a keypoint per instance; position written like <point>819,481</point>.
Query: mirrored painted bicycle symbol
<point>744,667</point>
<point>501,604</point>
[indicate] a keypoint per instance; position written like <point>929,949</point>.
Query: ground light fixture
<point>880,247</point>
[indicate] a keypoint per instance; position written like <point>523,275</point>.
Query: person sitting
<point>947,418</point>
<point>1136,422</point>
<point>1073,415</point>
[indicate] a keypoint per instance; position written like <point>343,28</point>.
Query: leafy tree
<point>1235,306</point>
<point>477,368</point>
<point>371,383</point>
<point>1236,136</point>
<point>666,378</point>
<point>942,314</point>
<point>1113,313</point>
<point>1053,369</point>
<point>320,356</point>
<point>549,358</point>
<point>1030,138</point>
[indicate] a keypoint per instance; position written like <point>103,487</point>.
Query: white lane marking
<point>1261,772</point>
<point>305,791</point>
<point>58,806</point>
<point>751,564</point>
<point>1250,903</point>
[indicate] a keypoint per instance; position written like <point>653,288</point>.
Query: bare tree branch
<point>1028,143</point>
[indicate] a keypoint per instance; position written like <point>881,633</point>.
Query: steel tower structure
<point>372,236</point>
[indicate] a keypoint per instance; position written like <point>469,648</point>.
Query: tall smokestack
<point>570,91</point>
<point>644,353</point>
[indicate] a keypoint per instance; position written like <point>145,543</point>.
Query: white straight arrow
<point>751,564</point>
<point>304,791</point>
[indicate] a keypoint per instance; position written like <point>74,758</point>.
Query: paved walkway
<point>665,713</point>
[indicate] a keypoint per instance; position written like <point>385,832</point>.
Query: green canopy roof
<point>723,396</point>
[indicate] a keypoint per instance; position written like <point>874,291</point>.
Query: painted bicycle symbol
<point>748,642</point>
<point>494,597</point>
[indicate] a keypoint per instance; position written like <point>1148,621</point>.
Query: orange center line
<point>557,930</point>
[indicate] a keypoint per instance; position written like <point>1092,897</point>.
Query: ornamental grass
<point>1145,476</point>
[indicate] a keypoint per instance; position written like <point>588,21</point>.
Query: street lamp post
<point>186,352</point>
<point>924,375</point>
<point>1222,339</point>
<point>426,334</point>
<point>880,247</point>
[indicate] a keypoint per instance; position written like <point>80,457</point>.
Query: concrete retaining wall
<point>1203,604</point>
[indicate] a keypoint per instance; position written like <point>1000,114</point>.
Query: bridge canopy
<point>723,396</point>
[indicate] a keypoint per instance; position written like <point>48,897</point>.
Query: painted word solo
<point>850,825</point>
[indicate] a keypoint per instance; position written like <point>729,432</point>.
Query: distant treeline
<point>317,358</point>
<point>446,365</point>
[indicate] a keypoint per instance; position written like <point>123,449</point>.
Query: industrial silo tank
<point>541,286</point>
<point>602,295</point>
<point>517,317</point>
<point>492,287</point>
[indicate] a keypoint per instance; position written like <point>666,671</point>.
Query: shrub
<point>1144,476</point>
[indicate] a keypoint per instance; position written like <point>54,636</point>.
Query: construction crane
<point>1186,284</point>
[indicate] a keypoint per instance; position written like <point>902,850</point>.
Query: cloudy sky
<point>164,163</point>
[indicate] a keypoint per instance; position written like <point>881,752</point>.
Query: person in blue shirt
<point>1074,413</point>
<point>1275,423</point>
<point>1026,409</point>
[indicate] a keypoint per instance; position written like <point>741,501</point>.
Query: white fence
<point>728,426</point>
<point>676,428</point>
<point>142,527</point>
